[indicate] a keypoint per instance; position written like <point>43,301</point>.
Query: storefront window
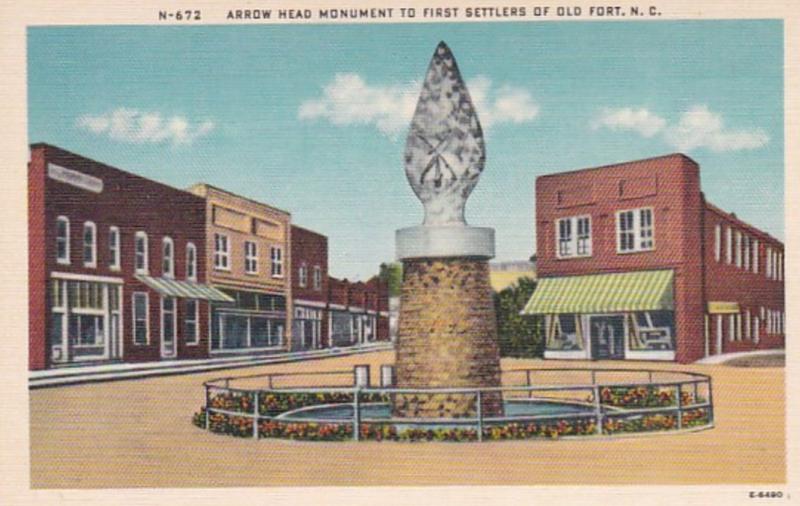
<point>565,333</point>
<point>259,332</point>
<point>652,330</point>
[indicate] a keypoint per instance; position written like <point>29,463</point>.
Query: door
<point>608,337</point>
<point>168,328</point>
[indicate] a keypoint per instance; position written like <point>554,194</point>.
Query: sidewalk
<point>113,372</point>
<point>721,359</point>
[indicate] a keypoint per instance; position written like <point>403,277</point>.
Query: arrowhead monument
<point>447,334</point>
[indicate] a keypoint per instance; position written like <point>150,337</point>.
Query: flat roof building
<point>117,265</point>
<point>248,258</point>
<point>634,263</point>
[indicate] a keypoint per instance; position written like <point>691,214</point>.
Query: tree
<point>519,336</point>
<point>392,274</point>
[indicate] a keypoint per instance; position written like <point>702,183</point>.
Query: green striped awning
<point>603,293</point>
<point>184,289</point>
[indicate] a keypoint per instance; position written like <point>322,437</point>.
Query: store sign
<point>74,178</point>
<point>718,307</point>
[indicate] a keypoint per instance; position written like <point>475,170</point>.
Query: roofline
<point>730,216</point>
<point>619,164</point>
<point>236,195</point>
<point>304,229</point>
<point>46,145</point>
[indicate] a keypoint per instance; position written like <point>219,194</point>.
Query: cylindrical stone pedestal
<point>447,338</point>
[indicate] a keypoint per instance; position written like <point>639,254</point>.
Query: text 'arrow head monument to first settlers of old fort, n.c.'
<point>445,152</point>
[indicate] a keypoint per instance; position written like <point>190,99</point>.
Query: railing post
<point>356,414</point>
<point>208,413</point>
<point>680,406</point>
<point>480,415</point>
<point>649,376</point>
<point>598,408</point>
<point>528,377</point>
<point>710,404</point>
<point>594,377</point>
<point>255,414</point>
<point>695,394</point>
<point>269,382</point>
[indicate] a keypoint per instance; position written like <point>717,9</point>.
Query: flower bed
<point>644,397</point>
<point>231,411</point>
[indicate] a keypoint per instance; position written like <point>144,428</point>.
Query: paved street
<point>139,434</point>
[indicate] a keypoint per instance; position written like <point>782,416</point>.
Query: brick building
<point>247,253</point>
<point>309,289</point>
<point>329,312</point>
<point>634,263</point>
<point>110,278</point>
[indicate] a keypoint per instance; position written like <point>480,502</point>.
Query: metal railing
<point>603,402</point>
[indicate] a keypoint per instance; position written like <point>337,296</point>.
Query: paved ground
<point>138,434</point>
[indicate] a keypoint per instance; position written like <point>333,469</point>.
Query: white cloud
<point>139,127</point>
<point>349,100</point>
<point>700,127</point>
<point>697,127</point>
<point>640,121</point>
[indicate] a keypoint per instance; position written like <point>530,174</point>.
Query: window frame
<point>250,259</point>
<point>317,280</point>
<point>146,320</point>
<point>145,254</point>
<point>718,242</point>
<point>738,256</point>
<point>729,245</point>
<point>66,260</point>
<point>191,261</point>
<point>89,225</point>
<point>302,276</point>
<point>114,248</point>
<point>167,262</point>
<point>195,339</point>
<point>222,254</point>
<point>636,230</point>
<point>575,238</point>
<point>756,255</point>
<point>276,261</point>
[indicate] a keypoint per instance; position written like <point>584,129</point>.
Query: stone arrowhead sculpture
<point>445,152</point>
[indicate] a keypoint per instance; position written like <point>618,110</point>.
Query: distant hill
<point>503,274</point>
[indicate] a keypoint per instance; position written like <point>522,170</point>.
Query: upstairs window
<point>738,249</point>
<point>718,243</point>
<point>755,256</point>
<point>302,276</point>
<point>574,237</point>
<point>746,247</point>
<point>317,278</point>
<point>168,258</point>
<point>113,248</point>
<point>191,262</point>
<point>62,240</point>
<point>769,263</point>
<point>635,230</point>
<point>250,257</point>
<point>140,253</point>
<point>89,244</point>
<point>728,245</point>
<point>276,255</point>
<point>222,252</point>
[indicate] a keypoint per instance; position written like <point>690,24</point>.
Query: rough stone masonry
<point>447,338</point>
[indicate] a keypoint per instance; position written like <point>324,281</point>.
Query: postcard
<point>481,251</point>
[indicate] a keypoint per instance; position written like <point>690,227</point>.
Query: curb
<point>64,377</point>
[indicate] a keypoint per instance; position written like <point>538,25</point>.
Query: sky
<point>312,119</point>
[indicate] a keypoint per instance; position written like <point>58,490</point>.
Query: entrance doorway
<point>608,336</point>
